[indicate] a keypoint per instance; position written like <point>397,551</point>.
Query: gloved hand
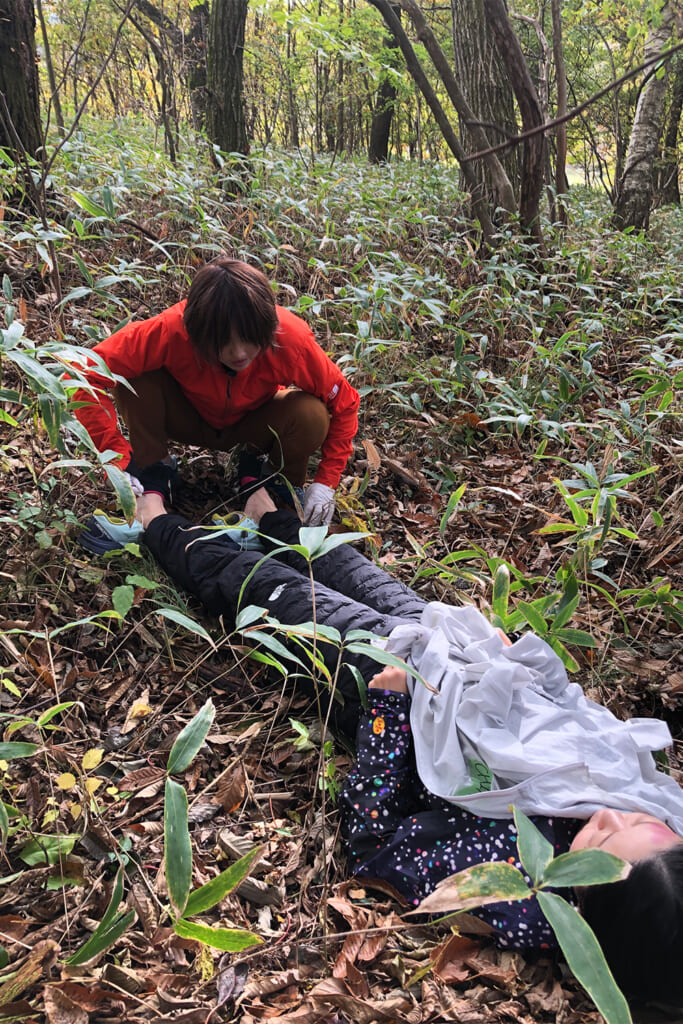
<point>136,487</point>
<point>318,505</point>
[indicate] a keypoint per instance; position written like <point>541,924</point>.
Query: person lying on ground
<point>225,367</point>
<point>398,831</point>
<point>351,592</point>
<point>493,723</point>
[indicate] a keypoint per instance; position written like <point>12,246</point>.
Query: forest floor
<point>333,949</point>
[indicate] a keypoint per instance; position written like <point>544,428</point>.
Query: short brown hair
<point>228,295</point>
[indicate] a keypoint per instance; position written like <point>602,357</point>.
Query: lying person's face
<point>631,837</point>
<point>237,354</point>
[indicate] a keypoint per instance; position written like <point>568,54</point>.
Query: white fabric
<point>550,750</point>
<point>318,505</point>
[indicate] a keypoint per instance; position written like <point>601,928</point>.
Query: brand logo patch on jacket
<point>333,393</point>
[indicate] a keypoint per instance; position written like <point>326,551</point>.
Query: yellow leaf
<point>91,759</point>
<point>76,811</point>
<point>92,785</point>
<point>139,709</point>
<point>66,781</point>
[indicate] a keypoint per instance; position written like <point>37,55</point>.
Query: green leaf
<point>112,925</point>
<point>230,939</point>
<point>311,538</point>
<point>48,715</point>
<point>47,850</point>
<point>335,540</point>
<point>476,887</point>
<point>101,939</point>
<point>501,592</point>
<point>212,892</point>
<point>190,739</point>
<point>141,581</point>
<point>452,504</point>
<point>584,867</point>
<point>575,636</point>
<point>535,852</point>
<point>568,602</point>
<point>533,617</point>
<point>186,622</point>
<point>177,845</point>
<point>122,599</point>
<point>8,751</point>
<point>4,823</point>
<point>124,491</point>
<point>41,378</point>
<point>273,644</point>
<point>585,958</point>
<point>89,205</point>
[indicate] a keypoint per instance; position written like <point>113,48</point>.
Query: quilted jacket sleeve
<point>137,348</point>
<point>308,367</point>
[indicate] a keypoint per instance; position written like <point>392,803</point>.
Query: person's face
<point>631,837</point>
<point>237,353</point>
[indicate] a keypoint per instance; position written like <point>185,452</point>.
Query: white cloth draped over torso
<point>507,727</point>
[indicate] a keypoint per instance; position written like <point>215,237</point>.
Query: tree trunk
<point>20,127</point>
<point>380,129</point>
<point>561,183</point>
<point>418,75</point>
<point>667,173</point>
<point>225,109</point>
<point>54,91</point>
<point>503,194</point>
<point>196,63</point>
<point>292,111</point>
<point>485,85</point>
<point>634,195</point>
<point>533,153</point>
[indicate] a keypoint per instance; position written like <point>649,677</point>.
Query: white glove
<point>135,485</point>
<point>318,505</point>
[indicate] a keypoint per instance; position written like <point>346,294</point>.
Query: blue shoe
<point>239,530</point>
<point>104,532</point>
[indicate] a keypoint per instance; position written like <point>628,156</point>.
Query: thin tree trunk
<point>634,195</point>
<point>561,183</point>
<point>533,153</point>
<point>380,129</point>
<point>479,204</point>
<point>54,91</point>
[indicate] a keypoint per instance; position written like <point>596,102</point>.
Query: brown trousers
<point>289,427</point>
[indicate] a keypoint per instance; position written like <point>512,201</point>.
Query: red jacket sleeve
<point>137,348</point>
<point>310,369</point>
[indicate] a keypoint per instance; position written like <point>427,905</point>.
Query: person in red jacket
<point>226,367</point>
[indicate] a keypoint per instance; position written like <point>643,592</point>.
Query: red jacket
<point>162,342</point>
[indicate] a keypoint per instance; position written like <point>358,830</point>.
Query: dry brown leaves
<point>333,951</point>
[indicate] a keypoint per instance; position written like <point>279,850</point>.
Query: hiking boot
<point>239,530</point>
<point>104,532</point>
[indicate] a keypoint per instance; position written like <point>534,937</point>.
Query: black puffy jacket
<point>351,593</point>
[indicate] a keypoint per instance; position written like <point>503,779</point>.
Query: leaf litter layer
<point>519,448</point>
